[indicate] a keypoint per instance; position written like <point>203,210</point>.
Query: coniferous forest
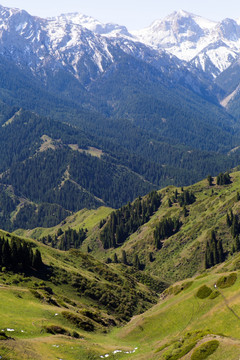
<point>18,256</point>
<point>128,219</point>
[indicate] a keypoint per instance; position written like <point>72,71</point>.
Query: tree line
<point>234,225</point>
<point>66,240</point>
<point>18,255</point>
<point>125,221</point>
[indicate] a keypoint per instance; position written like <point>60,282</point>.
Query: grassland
<point>178,322</point>
<point>182,254</point>
<point>186,317</point>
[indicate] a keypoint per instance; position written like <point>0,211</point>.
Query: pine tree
<point>136,262</point>
<point>14,255</point>
<point>207,257</point>
<point>229,222</point>
<point>151,259</point>
<point>185,211</point>
<point>237,243</point>
<point>220,251</point>
<point>210,180</point>
<point>214,253</point>
<point>235,226</point>
<point>124,257</point>
<point>37,260</point>
<point>115,258</point>
<point>6,254</point>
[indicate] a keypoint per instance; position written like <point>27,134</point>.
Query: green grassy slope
<point>73,297</point>
<point>174,328</point>
<point>192,316</point>
<point>82,219</point>
<point>182,254</point>
<point>181,320</point>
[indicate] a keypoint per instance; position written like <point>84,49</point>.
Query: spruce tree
<point>235,226</point>
<point>229,222</point>
<point>136,262</point>
<point>210,180</point>
<point>237,243</point>
<point>37,260</point>
<point>151,259</point>
<point>115,258</point>
<point>6,255</point>
<point>124,257</point>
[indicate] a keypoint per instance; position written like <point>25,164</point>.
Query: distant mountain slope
<point>43,161</point>
<point>49,168</point>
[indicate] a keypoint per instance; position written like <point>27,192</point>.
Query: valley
<point>63,318</point>
<point>119,188</point>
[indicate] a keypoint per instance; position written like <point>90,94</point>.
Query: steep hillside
<point>173,243</point>
<point>45,318</point>
<point>49,163</point>
<point>195,319</point>
<point>169,231</point>
<point>71,295</point>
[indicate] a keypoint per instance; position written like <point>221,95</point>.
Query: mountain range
<point>186,48</point>
<point>101,103</point>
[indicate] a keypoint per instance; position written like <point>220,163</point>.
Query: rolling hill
<point>178,320</point>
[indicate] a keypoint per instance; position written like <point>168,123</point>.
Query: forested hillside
<point>50,168</point>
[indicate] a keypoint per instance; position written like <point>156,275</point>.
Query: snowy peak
<point>180,33</point>
<point>183,16</point>
<point>175,29</point>
<point>209,45</point>
<point>88,22</point>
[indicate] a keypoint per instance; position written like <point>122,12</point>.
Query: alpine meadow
<point>119,188</point>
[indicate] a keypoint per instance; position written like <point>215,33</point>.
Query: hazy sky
<point>134,14</point>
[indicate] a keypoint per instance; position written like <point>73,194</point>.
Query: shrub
<point>78,321</point>
<point>56,330</point>
<point>214,294</point>
<point>205,350</point>
<point>36,294</point>
<point>180,352</point>
<point>203,292</point>
<point>227,281</point>
<point>75,335</point>
<point>69,301</point>
<point>3,336</point>
<point>175,290</point>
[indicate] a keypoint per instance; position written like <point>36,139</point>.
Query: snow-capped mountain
<point>209,45</point>
<point>83,47</point>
